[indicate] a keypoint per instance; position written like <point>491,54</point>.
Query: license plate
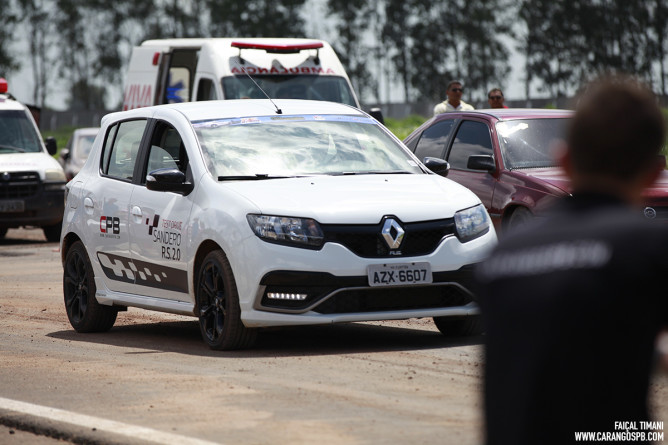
<point>11,206</point>
<point>399,274</point>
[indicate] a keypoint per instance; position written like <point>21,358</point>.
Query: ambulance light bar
<point>284,48</point>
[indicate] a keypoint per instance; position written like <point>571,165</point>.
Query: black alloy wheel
<point>83,310</point>
<point>218,305</point>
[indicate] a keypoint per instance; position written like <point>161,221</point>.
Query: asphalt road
<point>151,379</point>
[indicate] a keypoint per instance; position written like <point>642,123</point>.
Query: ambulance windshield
<point>312,87</point>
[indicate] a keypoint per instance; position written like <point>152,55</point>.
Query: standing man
<point>495,98</point>
<point>454,101</point>
<point>572,304</point>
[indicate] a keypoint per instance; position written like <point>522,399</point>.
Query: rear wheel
<point>218,305</point>
<point>83,310</point>
<point>459,326</point>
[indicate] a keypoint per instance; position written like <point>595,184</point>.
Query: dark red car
<point>505,157</point>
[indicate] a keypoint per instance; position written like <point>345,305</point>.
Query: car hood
<point>38,162</point>
<point>557,177</point>
<point>554,176</point>
<point>358,199</point>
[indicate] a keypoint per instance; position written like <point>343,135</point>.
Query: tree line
<point>84,45</point>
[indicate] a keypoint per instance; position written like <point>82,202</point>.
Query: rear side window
<point>206,90</point>
<point>472,138</point>
<point>433,140</point>
<point>121,147</point>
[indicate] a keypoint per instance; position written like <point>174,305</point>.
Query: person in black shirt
<point>572,303</point>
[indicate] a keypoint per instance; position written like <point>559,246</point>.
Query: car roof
<point>86,130</point>
<point>516,113</point>
<point>225,109</point>
<point>7,103</point>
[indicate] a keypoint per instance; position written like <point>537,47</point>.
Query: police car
<point>253,213</point>
<point>32,183</point>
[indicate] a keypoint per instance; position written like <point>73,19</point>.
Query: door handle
<point>136,213</point>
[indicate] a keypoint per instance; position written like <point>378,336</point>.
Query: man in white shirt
<point>454,101</point>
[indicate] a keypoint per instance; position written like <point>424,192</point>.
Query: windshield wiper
<point>9,147</point>
<point>254,177</point>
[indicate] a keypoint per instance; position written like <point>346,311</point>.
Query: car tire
<point>519,217</point>
<point>459,326</point>
<point>218,305</point>
<point>83,310</point>
<point>52,233</point>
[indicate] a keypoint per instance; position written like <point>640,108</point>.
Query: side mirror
<point>51,146</point>
<point>64,154</point>
<point>168,180</point>
<point>377,114</point>
<point>437,165</point>
<point>481,162</point>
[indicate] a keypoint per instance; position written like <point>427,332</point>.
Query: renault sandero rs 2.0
<point>246,214</point>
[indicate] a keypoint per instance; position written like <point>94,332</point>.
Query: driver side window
<point>472,138</point>
<point>166,150</point>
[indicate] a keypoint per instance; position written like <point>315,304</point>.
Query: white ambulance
<point>32,182</point>
<point>183,70</point>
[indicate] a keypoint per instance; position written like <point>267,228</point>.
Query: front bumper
<point>44,208</point>
<point>328,294</point>
<point>336,284</point>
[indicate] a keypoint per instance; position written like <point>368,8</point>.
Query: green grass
<point>62,135</point>
<point>403,127</point>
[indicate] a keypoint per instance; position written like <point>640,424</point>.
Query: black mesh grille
<point>366,240</point>
<point>393,299</point>
<point>18,184</point>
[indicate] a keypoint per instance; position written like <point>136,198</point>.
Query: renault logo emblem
<point>393,233</point>
<point>649,213</point>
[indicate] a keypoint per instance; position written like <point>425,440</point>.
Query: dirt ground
<point>362,383</point>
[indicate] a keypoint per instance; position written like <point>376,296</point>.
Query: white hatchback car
<point>247,214</point>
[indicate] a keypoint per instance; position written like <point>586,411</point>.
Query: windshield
<point>17,133</point>
<point>83,145</point>
<point>528,143</point>
<point>258,147</point>
<point>313,87</point>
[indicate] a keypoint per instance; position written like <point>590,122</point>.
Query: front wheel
<point>459,326</point>
<point>218,305</point>
<point>52,233</point>
<point>520,217</point>
<point>83,310</point>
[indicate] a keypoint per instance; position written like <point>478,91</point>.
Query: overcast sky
<point>21,83</point>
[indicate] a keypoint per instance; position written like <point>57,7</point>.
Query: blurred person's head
<point>495,98</point>
<point>454,92</point>
<point>615,138</point>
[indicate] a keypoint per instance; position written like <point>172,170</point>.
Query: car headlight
<point>296,232</point>
<point>471,223</point>
<point>54,175</point>
<point>54,180</point>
